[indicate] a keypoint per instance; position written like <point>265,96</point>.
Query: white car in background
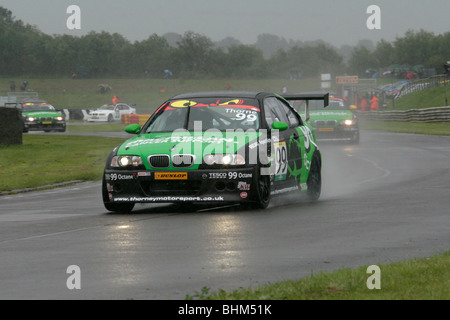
<point>110,112</point>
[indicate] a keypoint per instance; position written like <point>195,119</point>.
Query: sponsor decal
<point>259,143</point>
<point>232,175</point>
<point>285,190</point>
<point>244,195</point>
<point>218,175</point>
<point>171,175</point>
<point>43,114</point>
<point>144,174</point>
<point>243,186</point>
<point>180,139</point>
<point>116,176</point>
<point>329,113</point>
<point>165,199</point>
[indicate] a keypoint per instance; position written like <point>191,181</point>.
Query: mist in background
<point>335,22</point>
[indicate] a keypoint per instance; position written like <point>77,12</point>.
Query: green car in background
<point>215,147</point>
<point>335,123</point>
<point>42,117</point>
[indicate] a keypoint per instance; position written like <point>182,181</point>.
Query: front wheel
<point>114,207</point>
<point>263,191</point>
<point>119,207</point>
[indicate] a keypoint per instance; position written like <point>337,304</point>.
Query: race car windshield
<point>205,114</point>
<point>106,108</point>
<point>36,107</point>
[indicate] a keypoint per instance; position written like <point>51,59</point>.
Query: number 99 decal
<point>249,117</point>
<point>281,161</point>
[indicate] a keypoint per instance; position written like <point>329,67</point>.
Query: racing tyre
<point>263,191</point>
<point>119,207</point>
<point>314,182</point>
<point>114,207</point>
<point>110,118</point>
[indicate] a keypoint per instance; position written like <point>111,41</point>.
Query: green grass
<point>417,279</point>
<point>43,160</point>
<point>428,98</point>
<point>440,129</point>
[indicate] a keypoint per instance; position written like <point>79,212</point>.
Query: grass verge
<point>428,98</point>
<point>417,279</point>
<point>49,159</point>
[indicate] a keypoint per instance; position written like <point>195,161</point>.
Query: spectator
<point>167,74</point>
<point>363,104</point>
<point>447,68</point>
<point>12,86</point>
<point>24,85</point>
<point>410,75</point>
<point>115,100</point>
<point>374,103</point>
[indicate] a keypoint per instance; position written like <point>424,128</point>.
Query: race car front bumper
<point>231,185</point>
<point>48,125</point>
<point>336,133</point>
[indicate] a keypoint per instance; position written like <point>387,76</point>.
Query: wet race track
<point>383,201</point>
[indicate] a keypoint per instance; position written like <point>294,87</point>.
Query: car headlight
<point>348,122</point>
<point>31,119</point>
<point>224,159</point>
<point>126,161</point>
<point>59,118</point>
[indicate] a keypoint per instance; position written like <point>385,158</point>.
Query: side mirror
<point>133,129</point>
<point>280,126</point>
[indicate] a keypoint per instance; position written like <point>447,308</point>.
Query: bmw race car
<point>42,117</point>
<point>110,113</point>
<point>215,147</point>
<point>335,123</point>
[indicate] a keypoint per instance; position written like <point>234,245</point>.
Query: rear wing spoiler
<point>308,97</point>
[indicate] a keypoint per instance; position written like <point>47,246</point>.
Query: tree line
<point>24,50</point>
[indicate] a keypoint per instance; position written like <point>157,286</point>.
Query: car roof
<point>224,94</point>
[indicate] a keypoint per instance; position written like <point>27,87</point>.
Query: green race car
<point>215,147</point>
<point>42,117</point>
<point>335,123</point>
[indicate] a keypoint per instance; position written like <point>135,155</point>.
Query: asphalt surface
<point>383,201</point>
